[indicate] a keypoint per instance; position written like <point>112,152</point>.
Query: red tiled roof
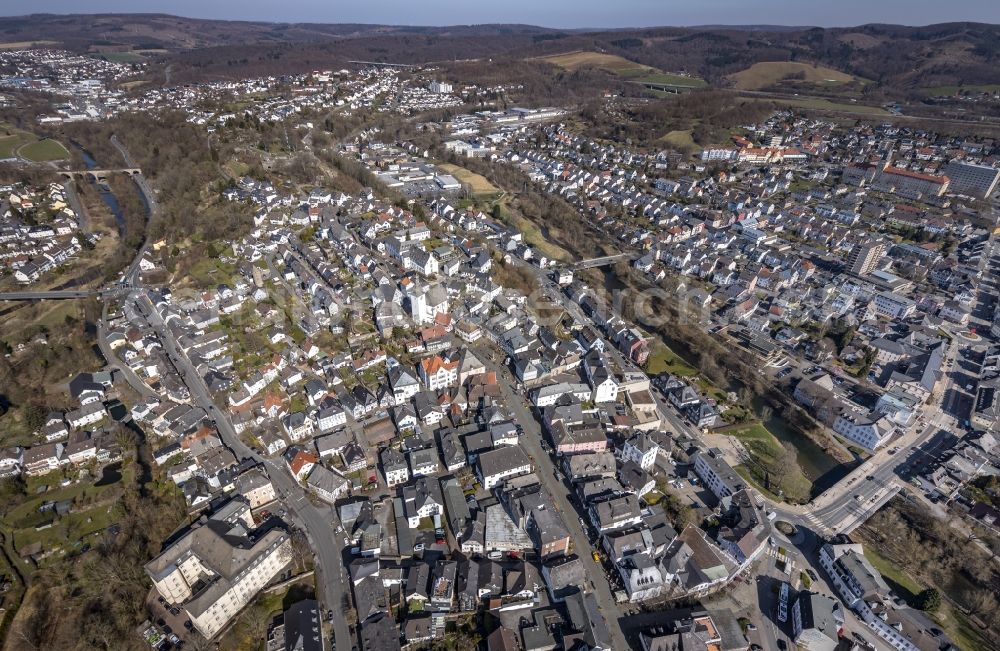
<point>916,175</point>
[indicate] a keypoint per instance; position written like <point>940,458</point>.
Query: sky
<point>548,13</point>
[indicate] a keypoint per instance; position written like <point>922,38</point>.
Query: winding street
<point>317,524</point>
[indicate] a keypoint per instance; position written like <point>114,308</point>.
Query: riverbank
<point>768,464</point>
<point>681,346</point>
<point>122,199</point>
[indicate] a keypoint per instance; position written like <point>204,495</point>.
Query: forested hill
<point>892,56</point>
<point>162,31</point>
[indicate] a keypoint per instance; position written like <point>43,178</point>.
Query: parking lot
<point>170,622</point>
<point>689,489</point>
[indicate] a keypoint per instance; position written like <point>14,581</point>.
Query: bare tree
<point>301,552</point>
<point>256,618</point>
<point>765,413</point>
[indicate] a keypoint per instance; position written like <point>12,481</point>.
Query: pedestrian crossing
<point>817,525</point>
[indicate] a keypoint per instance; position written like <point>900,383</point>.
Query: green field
<point>235,168</point>
<point>663,360</point>
<point>681,139</point>
<point>767,73</point>
<point>9,144</point>
<point>956,624</point>
<point>533,237</point>
<point>672,80</point>
<point>210,272</point>
<point>622,67</point>
<point>904,586</point>
<point>766,452</point>
<point>820,104</point>
<point>43,151</point>
<point>93,512</point>
<point>14,143</point>
<point>24,45</point>
<point>121,57</point>
<point>610,62</point>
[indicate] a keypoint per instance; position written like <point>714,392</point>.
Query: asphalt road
<point>544,467</point>
<point>319,526</point>
<point>841,510</point>
<point>132,273</point>
<point>109,355</point>
<point>43,295</point>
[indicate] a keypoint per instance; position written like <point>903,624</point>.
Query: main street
<point>836,510</point>
<point>545,470</point>
<point>318,524</point>
<point>54,295</point>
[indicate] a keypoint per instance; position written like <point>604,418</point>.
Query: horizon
<point>556,14</point>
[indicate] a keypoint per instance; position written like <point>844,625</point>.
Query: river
<point>107,196</point>
<point>818,466</point>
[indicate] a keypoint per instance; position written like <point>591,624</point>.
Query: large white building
<point>427,302</point>
<point>602,381</point>
<point>331,417</point>
<point>867,430</point>
<point>219,566</point>
<point>726,154</point>
<point>863,589</point>
<point>893,306</point>
<point>974,180</point>
<point>437,372</point>
<point>906,182</point>
<point>394,467</point>
<point>642,450</point>
<point>717,474</point>
<point>88,414</point>
<point>548,395</point>
<point>496,465</point>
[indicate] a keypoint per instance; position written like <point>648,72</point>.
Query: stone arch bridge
<point>99,176</point>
